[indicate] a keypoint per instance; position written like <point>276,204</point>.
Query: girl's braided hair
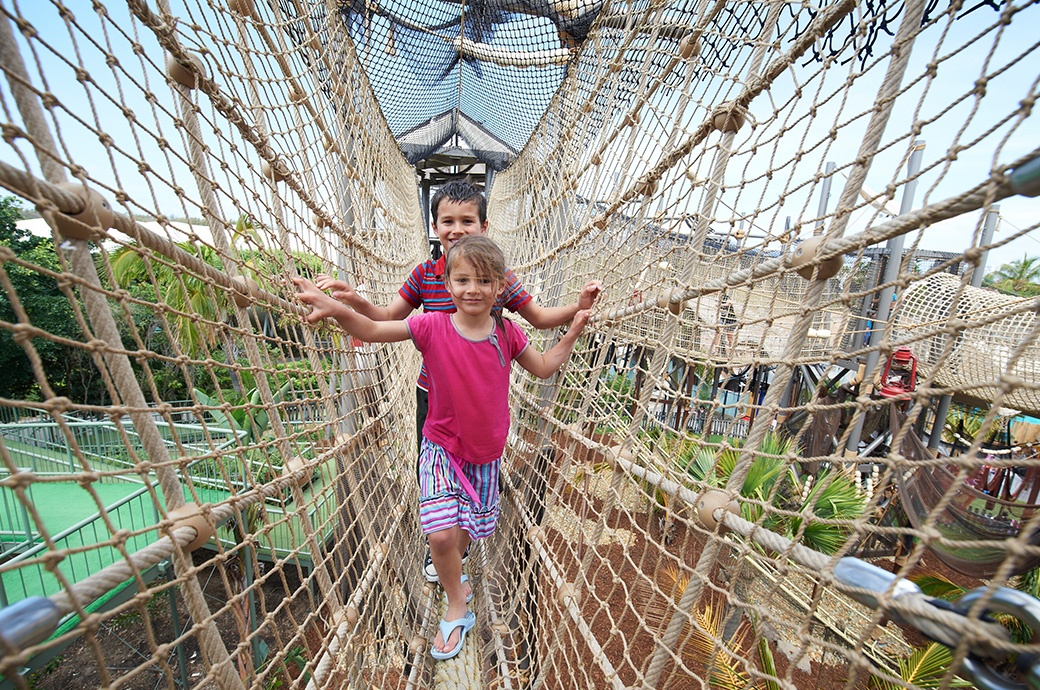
<point>486,258</point>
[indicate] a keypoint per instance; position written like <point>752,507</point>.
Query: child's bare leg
<point>447,559</point>
<point>463,544</point>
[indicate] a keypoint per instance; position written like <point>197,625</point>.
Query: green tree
<point>190,296</point>
<point>197,308</point>
<point>69,370</point>
<point>1021,278</point>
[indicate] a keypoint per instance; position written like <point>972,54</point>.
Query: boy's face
<point>456,219</point>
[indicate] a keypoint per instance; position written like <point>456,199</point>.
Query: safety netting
<point>791,450</point>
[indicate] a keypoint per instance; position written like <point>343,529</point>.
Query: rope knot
<point>57,405</point>
<point>19,480</point>
<point>27,29</point>
<point>1010,382</point>
<point>10,132</point>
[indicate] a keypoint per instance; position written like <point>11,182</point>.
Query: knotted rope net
<point>189,468</point>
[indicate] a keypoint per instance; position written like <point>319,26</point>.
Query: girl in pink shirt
<point>467,356</point>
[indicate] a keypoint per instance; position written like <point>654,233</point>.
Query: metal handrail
<point>15,564</point>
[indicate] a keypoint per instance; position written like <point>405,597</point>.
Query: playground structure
<point>677,152</point>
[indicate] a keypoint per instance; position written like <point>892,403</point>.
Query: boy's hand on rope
<point>322,306</point>
<point>341,289</point>
<point>589,293</point>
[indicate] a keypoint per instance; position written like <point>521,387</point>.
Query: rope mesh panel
<point>164,388</point>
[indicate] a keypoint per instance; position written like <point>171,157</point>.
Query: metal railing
<point>17,531</point>
<point>42,446</point>
<point>84,546</point>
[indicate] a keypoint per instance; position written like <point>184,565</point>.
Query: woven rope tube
<point>628,178</point>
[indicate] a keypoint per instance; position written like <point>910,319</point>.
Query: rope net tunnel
<point>705,496</point>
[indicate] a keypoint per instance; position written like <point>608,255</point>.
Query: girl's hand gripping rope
<point>340,289</point>
<point>322,305</point>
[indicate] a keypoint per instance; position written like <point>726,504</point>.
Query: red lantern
<point>900,374</point>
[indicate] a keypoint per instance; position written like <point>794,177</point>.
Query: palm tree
<point>1020,277</point>
<point>198,304</point>
<point>832,497</point>
<point>182,292</point>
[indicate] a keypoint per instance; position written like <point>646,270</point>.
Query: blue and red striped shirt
<point>425,288</point>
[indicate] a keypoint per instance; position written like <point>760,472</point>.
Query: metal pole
<point>825,195</point>
<point>182,664</point>
<point>425,201</point>
<point>247,573</point>
<point>884,308</point>
<point>939,421</point>
<point>987,236</point>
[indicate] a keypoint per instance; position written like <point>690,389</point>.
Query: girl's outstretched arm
<point>545,364</point>
<point>325,307</point>
<point>344,292</point>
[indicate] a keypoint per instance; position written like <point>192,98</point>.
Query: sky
<point>1010,71</point>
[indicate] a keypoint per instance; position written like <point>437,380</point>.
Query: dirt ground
<point>830,671</point>
<point>121,645</point>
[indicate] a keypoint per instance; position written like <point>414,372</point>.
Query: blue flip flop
<point>465,624</point>
<point>469,597</point>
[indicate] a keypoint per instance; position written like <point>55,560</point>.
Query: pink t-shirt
<point>469,385</point>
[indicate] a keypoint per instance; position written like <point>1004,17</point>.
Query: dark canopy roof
<point>468,81</point>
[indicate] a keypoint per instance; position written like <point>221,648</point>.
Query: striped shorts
<point>444,503</point>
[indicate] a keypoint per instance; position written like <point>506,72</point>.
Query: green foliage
<point>296,656</point>
<point>765,658</point>
<point>244,412</point>
<point>700,465</point>
<point>935,585</point>
<point>194,301</point>
<point>771,480</point>
<point>682,450</point>
<point>924,668</point>
<point>197,309</point>
<point>1020,278</point>
<point>37,677</point>
<point>69,370</point>
<point>1029,582</point>
<point>299,374</point>
<point>615,400</point>
<point>967,423</point>
<point>832,497</point>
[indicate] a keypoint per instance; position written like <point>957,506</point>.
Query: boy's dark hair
<point>459,190</point>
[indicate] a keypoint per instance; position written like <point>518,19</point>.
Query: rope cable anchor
<point>1013,603</point>
<point>90,221</point>
<point>865,582</point>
